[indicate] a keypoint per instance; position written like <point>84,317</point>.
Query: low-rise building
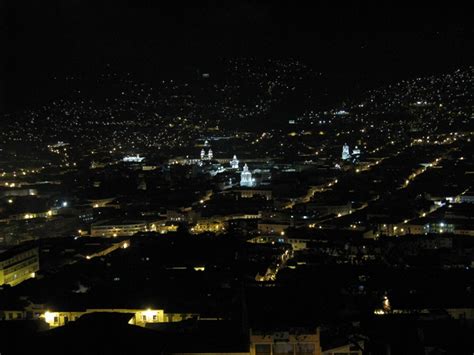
<point>250,193</point>
<point>117,228</point>
<point>294,341</point>
<point>270,227</point>
<point>59,318</point>
<point>208,225</point>
<point>18,264</point>
<point>330,208</point>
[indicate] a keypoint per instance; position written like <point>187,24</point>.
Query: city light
<point>150,315</point>
<point>49,317</point>
<point>248,152</point>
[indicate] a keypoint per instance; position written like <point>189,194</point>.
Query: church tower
<point>246,177</point>
<point>345,152</point>
<point>234,163</point>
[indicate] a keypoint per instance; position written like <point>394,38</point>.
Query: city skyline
<point>241,177</point>
<point>356,45</point>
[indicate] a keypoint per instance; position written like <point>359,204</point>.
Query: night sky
<point>356,43</point>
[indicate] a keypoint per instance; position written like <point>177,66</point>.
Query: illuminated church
<point>346,154</point>
<point>207,156</point>
<point>234,163</point>
<point>246,177</point>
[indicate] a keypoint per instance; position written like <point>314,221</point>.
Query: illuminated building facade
<point>208,156</point>
<point>140,316</point>
<point>163,227</point>
<point>246,177</point>
<point>118,229</point>
<point>347,155</point>
<point>234,163</point>
<point>289,341</point>
<point>250,193</point>
<point>345,152</point>
<point>18,264</point>
<point>133,159</point>
<point>356,153</point>
<point>208,225</point>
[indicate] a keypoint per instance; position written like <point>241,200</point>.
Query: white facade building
<point>345,152</point>
<point>356,152</point>
<point>207,156</point>
<point>234,163</point>
<point>246,177</point>
<point>133,159</point>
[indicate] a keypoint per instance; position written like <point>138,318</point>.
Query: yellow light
<point>149,314</point>
<point>282,233</point>
<point>49,317</point>
<point>125,245</point>
<point>10,201</point>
